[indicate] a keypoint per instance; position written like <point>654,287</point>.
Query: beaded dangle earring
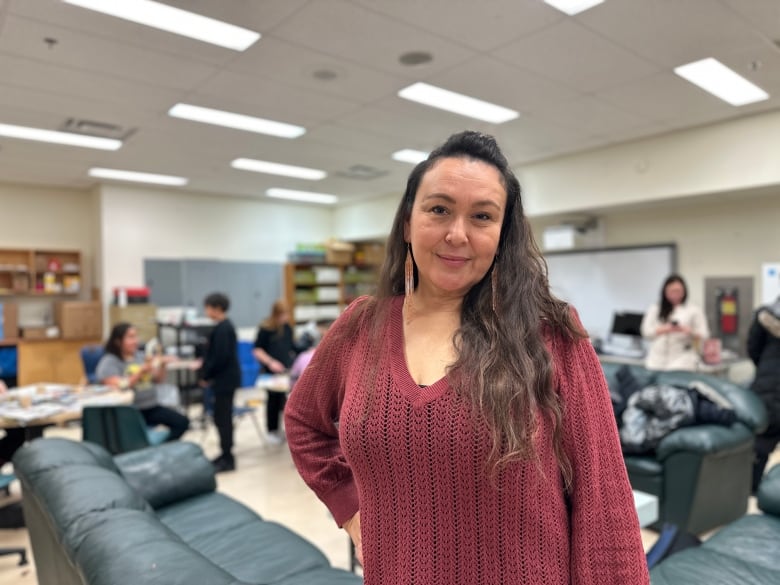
<point>408,280</point>
<point>494,285</point>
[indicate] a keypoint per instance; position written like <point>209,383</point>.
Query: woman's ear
<point>407,238</point>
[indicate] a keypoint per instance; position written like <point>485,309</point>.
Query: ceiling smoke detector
<point>414,58</point>
<point>93,128</point>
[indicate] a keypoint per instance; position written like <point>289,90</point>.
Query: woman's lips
<point>453,261</point>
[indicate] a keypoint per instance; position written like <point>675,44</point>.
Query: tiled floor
<point>266,481</point>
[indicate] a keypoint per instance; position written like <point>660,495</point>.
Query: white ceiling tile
<point>669,32</point>
<point>23,72</point>
<point>22,37</point>
<point>592,115</point>
<point>571,54</point>
<point>275,100</point>
<point>764,15</point>
<point>479,25</point>
<point>259,16</point>
<point>356,34</point>
<point>281,61</point>
<point>489,79</point>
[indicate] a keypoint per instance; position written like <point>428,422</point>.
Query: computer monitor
<point>626,323</point>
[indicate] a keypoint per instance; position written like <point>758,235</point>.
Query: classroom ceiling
<point>602,77</point>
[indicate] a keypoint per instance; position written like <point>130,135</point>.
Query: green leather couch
<point>700,474</point>
<point>152,517</point>
<point>745,551</point>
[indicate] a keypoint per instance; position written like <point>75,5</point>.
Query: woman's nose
<point>456,235</point>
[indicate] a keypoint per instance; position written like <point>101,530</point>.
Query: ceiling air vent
<point>99,129</point>
<point>361,172</point>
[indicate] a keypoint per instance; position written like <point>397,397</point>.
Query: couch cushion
<point>127,546</point>
<point>230,534</point>
<point>322,577</point>
<point>700,566</point>
<point>769,492</point>
<point>74,491</point>
<point>748,540</point>
<point>38,456</point>
<point>168,473</point>
<point>643,465</point>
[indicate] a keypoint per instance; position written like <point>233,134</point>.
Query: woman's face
<point>130,342</point>
<point>674,292</point>
<point>455,225</point>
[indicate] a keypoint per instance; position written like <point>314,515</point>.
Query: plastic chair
<point>5,485</point>
<point>250,367</point>
<point>90,356</point>
<point>238,412</point>
<point>119,429</point>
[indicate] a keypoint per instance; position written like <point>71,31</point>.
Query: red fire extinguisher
<point>727,312</point>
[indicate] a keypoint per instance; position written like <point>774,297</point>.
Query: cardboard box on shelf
<point>79,319</point>
<point>339,253</point>
<point>370,254</point>
<point>34,332</point>
<point>9,321</point>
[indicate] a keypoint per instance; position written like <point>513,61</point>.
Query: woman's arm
<point>651,325</point>
<point>606,544</point>
<point>311,422</point>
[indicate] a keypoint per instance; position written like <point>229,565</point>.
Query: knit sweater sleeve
<point>311,423</point>
<point>606,544</point>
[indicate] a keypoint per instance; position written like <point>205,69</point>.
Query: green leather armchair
<point>700,474</point>
<point>744,551</point>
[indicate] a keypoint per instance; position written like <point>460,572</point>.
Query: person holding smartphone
<point>675,328</point>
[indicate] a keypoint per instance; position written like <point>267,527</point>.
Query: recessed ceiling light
<point>307,196</point>
<point>136,177</point>
<point>175,20</point>
<point>444,99</point>
<point>572,7</point>
<point>237,121</point>
<point>409,155</point>
<point>68,138</point>
<point>272,168</point>
<point>713,76</point>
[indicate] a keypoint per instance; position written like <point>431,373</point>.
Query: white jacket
<point>674,351</point>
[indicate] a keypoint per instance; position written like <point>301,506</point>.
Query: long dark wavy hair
<point>503,368</point>
<point>666,306</point>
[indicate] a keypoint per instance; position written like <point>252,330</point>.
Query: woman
<point>275,350</point>
<point>763,348</point>
<point>675,328</point>
<point>123,366</point>
<point>458,425</point>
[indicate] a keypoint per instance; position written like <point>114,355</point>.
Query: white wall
<point>139,223</point>
<point>368,220</point>
<point>731,156</point>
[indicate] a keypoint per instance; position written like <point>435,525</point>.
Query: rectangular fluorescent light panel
<point>175,20</point>
<point>307,196</point>
<point>444,99</point>
<point>572,7</point>
<point>137,177</point>
<point>713,76</point>
<point>237,121</point>
<point>272,168</point>
<point>67,138</point>
<point>409,155</point>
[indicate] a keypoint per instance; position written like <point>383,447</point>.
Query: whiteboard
<point>601,282</point>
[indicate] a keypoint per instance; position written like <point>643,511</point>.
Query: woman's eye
<point>483,216</point>
<point>439,209</point>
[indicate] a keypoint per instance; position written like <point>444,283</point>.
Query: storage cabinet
<point>55,360</point>
<point>40,272</point>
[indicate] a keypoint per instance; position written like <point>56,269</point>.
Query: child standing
<point>222,373</point>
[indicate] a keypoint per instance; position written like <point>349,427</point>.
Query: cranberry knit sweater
<point>413,463</point>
